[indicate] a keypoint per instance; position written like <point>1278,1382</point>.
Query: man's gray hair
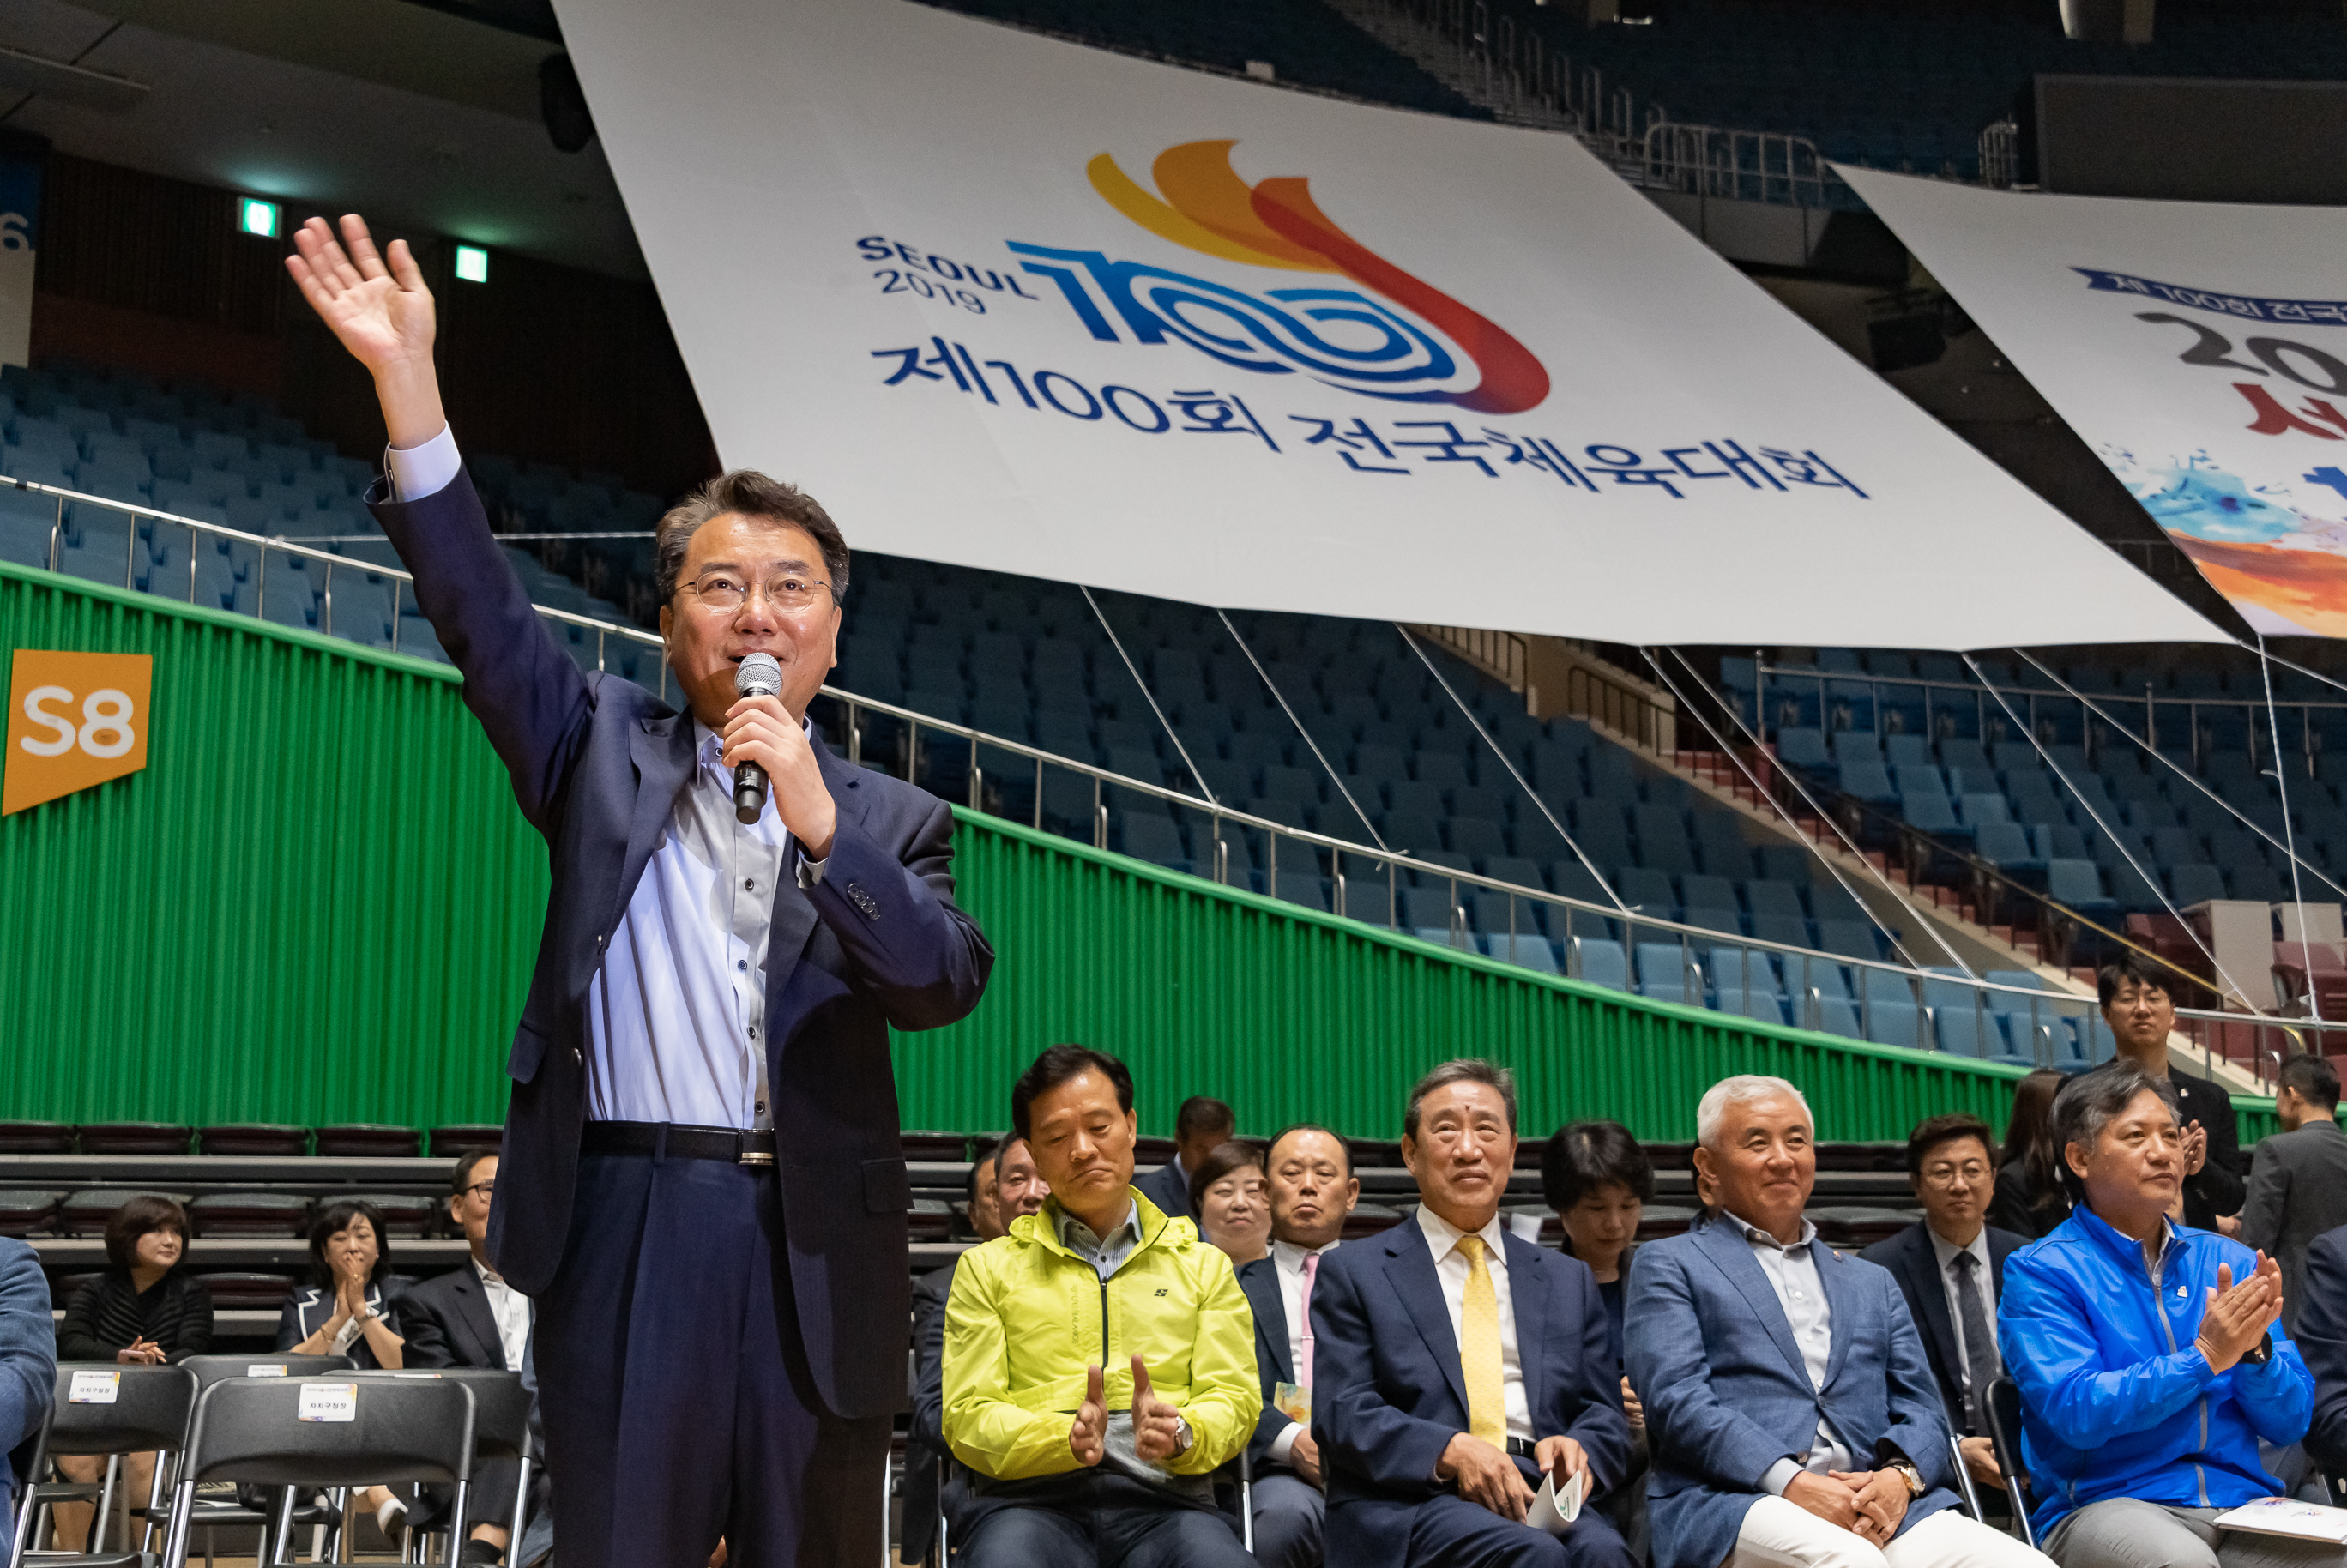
<point>1741,1090</point>
<point>1465,1069</point>
<point>2092,1101</point>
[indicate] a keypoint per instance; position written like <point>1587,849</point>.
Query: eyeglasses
<point>489,1188</point>
<point>1972,1174</point>
<point>786,593</point>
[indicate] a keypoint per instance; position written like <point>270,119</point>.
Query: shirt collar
<point>1289,1256</point>
<point>1442,1236</point>
<point>489,1275</point>
<point>1078,1237</point>
<point>1760,1238</point>
<point>1946,1250</point>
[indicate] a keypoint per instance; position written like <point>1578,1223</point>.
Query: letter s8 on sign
<point>75,719</point>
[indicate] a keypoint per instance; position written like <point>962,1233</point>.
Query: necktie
<point>1304,1311</point>
<point>1478,1348</point>
<point>1981,1363</point>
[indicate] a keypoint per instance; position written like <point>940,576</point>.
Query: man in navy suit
<point>1456,1366</point>
<point>1203,1126</point>
<point>1791,1416</point>
<point>1950,1266</point>
<point>28,1364</point>
<point>702,1188</point>
<point>1312,1190</point>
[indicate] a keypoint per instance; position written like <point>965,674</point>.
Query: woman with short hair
<point>352,1307</point>
<point>1229,1191</point>
<point>1599,1180</point>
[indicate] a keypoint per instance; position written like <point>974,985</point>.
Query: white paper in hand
<point>1553,1510</point>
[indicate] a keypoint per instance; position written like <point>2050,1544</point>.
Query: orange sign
<point>75,719</point>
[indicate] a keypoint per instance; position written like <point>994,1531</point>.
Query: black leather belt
<point>1520,1449</point>
<point>675,1141</point>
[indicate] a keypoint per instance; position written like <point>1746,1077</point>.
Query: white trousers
<point>1781,1534</point>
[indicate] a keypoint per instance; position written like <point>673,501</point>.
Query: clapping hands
<point>2238,1314</point>
<point>1156,1424</point>
<point>1088,1436</point>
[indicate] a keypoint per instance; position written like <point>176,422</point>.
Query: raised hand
<point>1156,1424</point>
<point>761,729</point>
<point>1088,1437</point>
<point>2196,1148</point>
<point>382,312</point>
<point>2238,1316</point>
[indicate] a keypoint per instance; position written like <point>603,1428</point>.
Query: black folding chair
<point>101,1408</point>
<point>211,1514</point>
<point>501,1430</point>
<point>1964,1487</point>
<point>333,1432</point>
<point>2003,1409</point>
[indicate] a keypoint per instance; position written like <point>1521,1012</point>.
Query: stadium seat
<point>1602,962</point>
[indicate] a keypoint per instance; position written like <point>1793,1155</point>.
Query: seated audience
<point>2029,1199</point>
<point>2150,1356</point>
<point>353,1305</point>
<point>1790,1409</point>
<point>1012,1190</point>
<point>2321,1337</point>
<point>1203,1126</point>
<point>1226,1195</point>
<point>1599,1182</point>
<point>1312,1190</point>
<point>1457,1365</point>
<point>2141,1014</point>
<point>1950,1266</point>
<point>144,1310</point>
<point>28,1364</point>
<point>1076,1462</point>
<point>2298,1183</point>
<point>471,1316</point>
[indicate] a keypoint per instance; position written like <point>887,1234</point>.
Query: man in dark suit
<point>2298,1185</point>
<point>469,1316</point>
<point>28,1363</point>
<point>1203,1126</point>
<point>1950,1266</point>
<point>1008,1172</point>
<point>1456,1366</point>
<point>1311,1189</point>
<point>2322,1341</point>
<point>2136,1004</point>
<point>707,1196</point>
<point>1791,1413</point>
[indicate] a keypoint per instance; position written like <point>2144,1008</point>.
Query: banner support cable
<point>2120,844</point>
<point>1814,846</point>
<point>2289,846</point>
<point>1148,696</point>
<point>2260,650</point>
<point>1281,698</point>
<point>1586,864</point>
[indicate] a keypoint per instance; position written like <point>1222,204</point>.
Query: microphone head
<point>758,676</point>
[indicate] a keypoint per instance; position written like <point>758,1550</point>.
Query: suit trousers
<point>1781,1534</point>
<point>678,1402</point>
<point>1448,1531</point>
<point>1101,1521</point>
<point>2124,1532</point>
<point>1290,1519</point>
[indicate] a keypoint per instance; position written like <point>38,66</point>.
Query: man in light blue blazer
<point>1791,1415</point>
<point>28,1363</point>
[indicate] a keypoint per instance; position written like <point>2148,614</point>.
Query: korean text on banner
<point>1006,302</point>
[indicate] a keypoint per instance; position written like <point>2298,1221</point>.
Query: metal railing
<point>2256,1044</point>
<point>1336,874</point>
<point>1726,164</point>
<point>2000,154</point>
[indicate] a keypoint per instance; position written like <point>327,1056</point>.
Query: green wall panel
<point>318,904</point>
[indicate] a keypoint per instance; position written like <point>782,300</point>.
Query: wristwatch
<point>1183,1436</point>
<point>2259,1354</point>
<point>1909,1474</point>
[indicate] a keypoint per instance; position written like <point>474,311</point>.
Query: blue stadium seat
<point>1839,1016</point>
<point>1532,952</point>
<point>1741,969</point>
<point>1662,963</point>
<point>1766,1007</point>
<point>2078,885</point>
<point>1646,891</point>
<point>1849,938</point>
<point>1869,780</point>
<point>1893,1023</point>
<point>1603,962</point>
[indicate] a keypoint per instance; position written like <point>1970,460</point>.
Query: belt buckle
<point>745,1156</point>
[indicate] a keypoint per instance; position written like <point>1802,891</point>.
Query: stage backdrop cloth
<point>1011,303</point>
<point>2199,348</point>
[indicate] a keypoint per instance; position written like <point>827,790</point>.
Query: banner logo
<point>1378,346</point>
<point>75,719</point>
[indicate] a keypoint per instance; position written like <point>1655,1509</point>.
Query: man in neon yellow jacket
<point>1099,1358</point>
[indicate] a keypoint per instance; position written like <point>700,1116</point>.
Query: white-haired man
<point>1791,1415</point>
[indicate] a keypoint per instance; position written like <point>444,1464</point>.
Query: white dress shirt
<point>1287,1262</point>
<point>676,1013</point>
<point>1792,1271</point>
<point>1945,1251</point>
<point>511,1309</point>
<point>1450,1269</point>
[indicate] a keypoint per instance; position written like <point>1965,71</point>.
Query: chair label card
<point>94,1388</point>
<point>330,1402</point>
<point>265,1369</point>
<point>1293,1401</point>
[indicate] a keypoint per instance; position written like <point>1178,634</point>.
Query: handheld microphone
<point>758,676</point>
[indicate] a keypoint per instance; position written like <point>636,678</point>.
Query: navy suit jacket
<point>1169,1190</point>
<point>1914,1262</point>
<point>2322,1342</point>
<point>1728,1395</point>
<point>596,763</point>
<point>450,1323</point>
<point>1388,1395</point>
<point>1259,1281</point>
<point>28,1362</point>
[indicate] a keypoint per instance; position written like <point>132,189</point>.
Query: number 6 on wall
<point>75,719</point>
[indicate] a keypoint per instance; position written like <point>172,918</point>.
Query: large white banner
<point>1011,302</point>
<point>2199,348</point>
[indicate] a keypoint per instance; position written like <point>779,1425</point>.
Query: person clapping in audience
<point>1227,1194</point>
<point>353,1306</point>
<point>2150,1356</point>
<point>1099,1359</point>
<point>143,1311</point>
<point>1793,1419</point>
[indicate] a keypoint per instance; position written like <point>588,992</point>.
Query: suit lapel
<point>661,750</point>
<point>1263,1294</point>
<point>1528,1292</point>
<point>1724,1243</point>
<point>1841,1282</point>
<point>1410,1264</point>
<point>472,1301</point>
<point>794,917</point>
<point>1922,1265</point>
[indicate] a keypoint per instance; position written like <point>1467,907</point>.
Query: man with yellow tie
<point>1457,1365</point>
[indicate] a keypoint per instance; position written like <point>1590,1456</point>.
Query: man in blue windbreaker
<point>2150,1356</point>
